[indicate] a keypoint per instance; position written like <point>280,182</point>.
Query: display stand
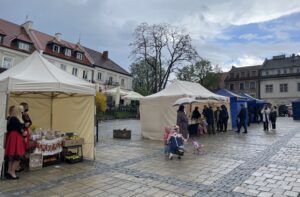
<point>73,154</point>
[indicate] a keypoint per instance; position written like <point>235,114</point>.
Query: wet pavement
<point>255,164</point>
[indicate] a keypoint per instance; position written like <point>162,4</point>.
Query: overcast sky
<point>231,32</point>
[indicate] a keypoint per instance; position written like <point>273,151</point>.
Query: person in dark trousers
<point>273,117</point>
<point>210,120</point>
<point>217,118</point>
<point>242,119</point>
<point>265,117</point>
<point>223,118</point>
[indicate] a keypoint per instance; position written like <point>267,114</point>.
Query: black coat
<point>210,116</point>
<point>224,115</point>
<point>242,114</point>
<point>196,114</point>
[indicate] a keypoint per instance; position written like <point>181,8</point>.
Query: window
<point>99,76</point>
<point>243,74</point>
<point>110,80</point>
<point>56,48</point>
<point>122,82</point>
<point>231,87</point>
<point>267,72</point>
<point>269,88</point>
<point>252,85</point>
<point>298,84</point>
<point>284,71</point>
<point>253,73</point>
<point>74,71</point>
<point>238,75</point>
<point>278,72</point>
<point>84,74</point>
<point>79,56</point>
<point>23,46</point>
<point>298,70</point>
<point>7,62</point>
<point>1,39</point>
<point>241,86</point>
<point>63,67</point>
<point>284,87</point>
<point>68,52</point>
<point>231,75</point>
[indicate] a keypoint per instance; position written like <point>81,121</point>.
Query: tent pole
<point>51,116</point>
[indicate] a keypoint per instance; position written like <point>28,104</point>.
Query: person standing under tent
<point>27,124</point>
<point>223,118</point>
<point>242,119</point>
<point>182,122</point>
<point>14,145</point>
<point>217,118</point>
<point>196,115</point>
<point>210,120</point>
<point>273,117</point>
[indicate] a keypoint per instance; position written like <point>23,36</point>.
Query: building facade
<point>243,80</point>
<point>280,79</point>
<point>18,41</point>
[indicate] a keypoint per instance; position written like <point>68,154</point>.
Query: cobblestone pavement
<point>255,164</point>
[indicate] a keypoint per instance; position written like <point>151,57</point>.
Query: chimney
<point>105,55</point>
<point>27,25</point>
<point>57,36</point>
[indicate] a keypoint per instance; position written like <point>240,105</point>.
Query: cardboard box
<point>67,143</point>
<point>35,161</point>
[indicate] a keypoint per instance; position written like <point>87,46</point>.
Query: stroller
<point>176,146</point>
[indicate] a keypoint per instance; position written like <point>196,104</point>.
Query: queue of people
<point>17,139</point>
<point>267,115</point>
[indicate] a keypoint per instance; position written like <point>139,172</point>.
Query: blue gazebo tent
<point>235,104</point>
<point>254,106</point>
<point>296,109</point>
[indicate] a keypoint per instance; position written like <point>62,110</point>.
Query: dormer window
<point>23,46</point>
<point>79,56</point>
<point>68,52</point>
<point>56,48</point>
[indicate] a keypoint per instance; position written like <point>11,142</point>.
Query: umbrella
<point>185,100</point>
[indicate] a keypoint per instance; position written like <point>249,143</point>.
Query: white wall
<point>70,65</point>
<point>280,97</point>
<point>117,77</point>
<point>16,55</point>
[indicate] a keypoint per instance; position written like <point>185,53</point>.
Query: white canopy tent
<point>157,110</point>
<point>57,100</point>
<point>132,95</point>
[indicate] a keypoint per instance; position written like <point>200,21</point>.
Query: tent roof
<point>132,95</point>
<point>115,90</point>
<point>186,88</point>
<point>36,74</point>
<point>225,92</point>
<point>250,98</point>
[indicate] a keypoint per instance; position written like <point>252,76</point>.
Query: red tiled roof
<point>13,31</point>
<point>106,64</point>
<point>43,41</point>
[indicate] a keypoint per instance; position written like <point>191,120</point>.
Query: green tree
<point>195,72</point>
<point>162,48</point>
<point>212,80</point>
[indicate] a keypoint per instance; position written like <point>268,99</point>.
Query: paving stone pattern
<point>255,164</point>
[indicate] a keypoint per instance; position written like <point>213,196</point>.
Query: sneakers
<point>171,156</point>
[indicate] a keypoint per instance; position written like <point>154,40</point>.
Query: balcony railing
<point>111,83</point>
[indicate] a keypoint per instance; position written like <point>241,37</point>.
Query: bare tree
<point>163,48</point>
